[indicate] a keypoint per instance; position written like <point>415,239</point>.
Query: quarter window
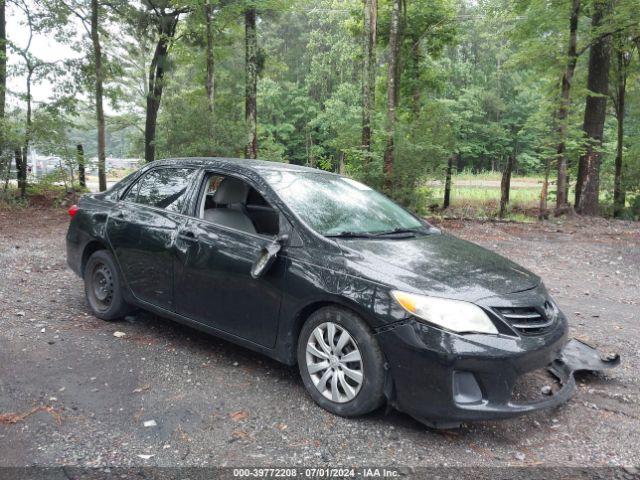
<point>163,188</point>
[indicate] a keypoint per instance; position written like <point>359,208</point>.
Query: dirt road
<point>73,393</point>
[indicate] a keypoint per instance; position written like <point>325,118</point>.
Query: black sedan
<point>312,268</point>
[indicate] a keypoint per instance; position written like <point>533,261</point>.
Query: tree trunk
<point>542,213</point>
<point>447,183</point>
<point>416,94</point>
<point>7,172</point>
<point>23,172</point>
<point>588,182</point>
<point>505,184</point>
<point>3,74</point>
<point>369,80</point>
<point>97,58</point>
<point>17,155</point>
<point>82,179</point>
<point>166,31</point>
<point>563,111</point>
<point>392,72</point>
<point>251,83</point>
<point>210,81</point>
<point>621,80</point>
<point>27,136</point>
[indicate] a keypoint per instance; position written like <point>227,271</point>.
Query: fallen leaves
<point>13,418</point>
<point>239,415</point>
<point>141,389</point>
<point>119,334</point>
<point>138,415</point>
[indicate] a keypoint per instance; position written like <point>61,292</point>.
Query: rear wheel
<point>341,363</point>
<point>102,287</point>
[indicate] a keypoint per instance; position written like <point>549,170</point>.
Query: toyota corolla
<point>311,268</point>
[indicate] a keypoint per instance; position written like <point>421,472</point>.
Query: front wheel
<point>341,363</point>
<point>103,288</point>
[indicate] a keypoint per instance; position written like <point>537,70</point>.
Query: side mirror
<point>267,256</point>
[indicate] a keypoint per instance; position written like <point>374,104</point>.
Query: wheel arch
<point>303,314</point>
<point>89,249</point>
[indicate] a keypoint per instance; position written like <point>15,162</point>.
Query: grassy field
<point>478,195</point>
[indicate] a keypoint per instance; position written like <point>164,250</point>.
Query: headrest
<point>231,190</point>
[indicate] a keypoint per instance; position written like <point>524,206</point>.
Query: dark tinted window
<point>163,188</point>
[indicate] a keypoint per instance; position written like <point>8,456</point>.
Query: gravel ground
<point>72,393</point>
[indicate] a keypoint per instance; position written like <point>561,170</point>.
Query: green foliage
<point>479,81</point>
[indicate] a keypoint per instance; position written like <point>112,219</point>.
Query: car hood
<point>437,264</point>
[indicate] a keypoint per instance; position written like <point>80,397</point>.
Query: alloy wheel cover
<point>334,362</point>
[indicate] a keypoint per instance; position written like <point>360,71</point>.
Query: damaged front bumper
<point>575,356</point>
<point>443,380</point>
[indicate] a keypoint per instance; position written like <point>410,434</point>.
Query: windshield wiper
<point>406,232</point>
<point>396,232</point>
<point>351,235</point>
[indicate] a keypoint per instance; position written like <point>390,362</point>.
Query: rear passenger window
<point>163,188</point>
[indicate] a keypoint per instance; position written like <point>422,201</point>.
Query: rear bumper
<point>74,254</point>
<point>443,379</point>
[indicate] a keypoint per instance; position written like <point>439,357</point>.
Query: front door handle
<point>187,235</point>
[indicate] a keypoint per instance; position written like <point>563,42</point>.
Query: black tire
<point>103,288</point>
<point>370,395</point>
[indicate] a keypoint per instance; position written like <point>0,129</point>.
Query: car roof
<point>240,164</point>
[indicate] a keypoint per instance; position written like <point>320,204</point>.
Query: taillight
<point>73,209</point>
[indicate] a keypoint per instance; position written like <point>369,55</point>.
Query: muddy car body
<point>438,327</point>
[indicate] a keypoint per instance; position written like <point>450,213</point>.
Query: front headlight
<point>453,315</point>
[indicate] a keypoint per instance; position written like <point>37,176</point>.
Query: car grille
<point>529,320</point>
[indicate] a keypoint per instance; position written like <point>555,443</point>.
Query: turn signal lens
<point>406,301</point>
<point>73,209</point>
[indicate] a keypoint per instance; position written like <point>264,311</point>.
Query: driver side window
<point>233,203</point>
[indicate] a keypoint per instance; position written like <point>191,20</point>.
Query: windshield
<point>334,205</point>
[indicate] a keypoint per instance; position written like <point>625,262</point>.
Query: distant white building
<point>43,164</point>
